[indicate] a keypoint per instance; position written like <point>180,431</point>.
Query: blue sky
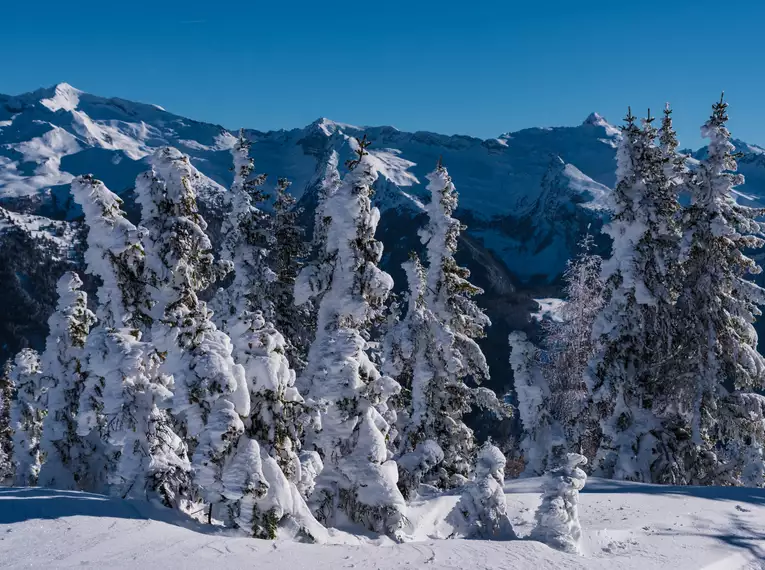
<point>479,68</point>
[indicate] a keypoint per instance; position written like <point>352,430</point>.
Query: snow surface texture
<point>625,525</point>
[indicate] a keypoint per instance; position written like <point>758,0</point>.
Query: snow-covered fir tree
<point>247,235</point>
<point>481,512</point>
<point>273,431</point>
<point>718,305</point>
<point>553,400</point>
<point>278,413</point>
<point>64,366</point>
<point>434,348</point>
<point>557,518</point>
<point>7,468</point>
<point>406,345</point>
<point>261,501</point>
<point>287,257</point>
<point>318,273</point>
<point>674,162</point>
<point>631,375</point>
<point>568,347</point>
<point>123,406</point>
<point>543,436</point>
<point>739,432</point>
<point>210,389</point>
<point>448,293</point>
<point>359,478</point>
<point>27,413</point>
<point>258,495</point>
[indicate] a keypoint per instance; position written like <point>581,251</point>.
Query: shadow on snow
<point>22,504</point>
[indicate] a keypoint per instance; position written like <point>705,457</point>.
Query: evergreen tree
<point>7,468</point>
<point>631,375</point>
<point>316,276</point>
<point>278,413</point>
<point>247,236</point>
<point>64,365</point>
<point>296,322</point>
<point>273,430</point>
<point>481,512</point>
<point>719,303</point>
<point>123,405</point>
<point>27,414</point>
<point>543,437</point>
<point>359,477</point>
<point>434,348</point>
<point>674,163</point>
<point>265,466</point>
<point>568,347</point>
<point>557,518</point>
<point>210,389</point>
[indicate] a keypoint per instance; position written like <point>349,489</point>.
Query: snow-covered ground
<point>625,525</point>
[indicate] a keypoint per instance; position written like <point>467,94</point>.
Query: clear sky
<point>474,67</point>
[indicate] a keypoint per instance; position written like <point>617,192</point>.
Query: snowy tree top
<point>115,252</point>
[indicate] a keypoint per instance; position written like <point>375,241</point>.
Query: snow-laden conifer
<point>274,425</point>
<point>675,171</point>
<point>64,366</point>
<point>27,414</point>
<point>7,468</point>
<point>260,499</point>
<point>481,512</point>
<point>273,432</point>
<point>287,257</point>
<point>123,406</point>
<point>278,414</point>
<point>557,518</point>
<point>246,238</point>
<point>568,347</point>
<point>448,293</point>
<point>631,375</point>
<point>359,478</point>
<point>434,347</point>
<point>314,280</point>
<point>210,391</point>
<point>717,308</point>
<point>542,435</point>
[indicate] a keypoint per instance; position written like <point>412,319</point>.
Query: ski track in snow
<point>626,526</point>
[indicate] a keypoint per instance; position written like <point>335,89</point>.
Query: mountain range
<point>526,196</point>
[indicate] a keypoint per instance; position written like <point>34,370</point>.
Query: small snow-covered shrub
<point>557,518</point>
<point>482,510</point>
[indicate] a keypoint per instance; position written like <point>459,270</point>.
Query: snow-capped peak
<point>330,127</point>
<point>748,148</point>
<point>597,120</point>
<point>65,98</point>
